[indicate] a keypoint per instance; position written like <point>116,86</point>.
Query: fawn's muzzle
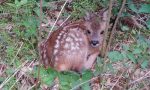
<point>94,43</point>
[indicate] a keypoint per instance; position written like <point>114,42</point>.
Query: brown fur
<point>69,48</point>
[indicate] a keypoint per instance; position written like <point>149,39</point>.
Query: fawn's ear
<point>104,16</point>
<point>88,16</point>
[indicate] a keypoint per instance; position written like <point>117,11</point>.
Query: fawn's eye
<point>102,32</point>
<point>88,32</point>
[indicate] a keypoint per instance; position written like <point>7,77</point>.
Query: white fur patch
<point>55,51</point>
<point>57,44</point>
<point>80,39</point>
<point>44,56</point>
<point>66,46</point>
<point>59,37</point>
<point>69,39</point>
<point>46,61</point>
<point>77,44</point>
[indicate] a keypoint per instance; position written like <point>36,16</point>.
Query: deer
<point>75,46</point>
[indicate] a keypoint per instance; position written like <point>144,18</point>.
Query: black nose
<point>94,43</point>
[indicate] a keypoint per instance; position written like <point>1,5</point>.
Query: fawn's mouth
<point>94,43</point>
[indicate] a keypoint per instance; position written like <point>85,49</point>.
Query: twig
<point>17,52</point>
<point>141,78</point>
<point>114,29</point>
<point>117,80</point>
<point>57,18</point>
<point>8,78</point>
<point>20,76</point>
<point>65,20</point>
<point>107,27</point>
<point>31,88</point>
<point>39,40</point>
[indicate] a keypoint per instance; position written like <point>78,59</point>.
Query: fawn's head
<point>95,26</point>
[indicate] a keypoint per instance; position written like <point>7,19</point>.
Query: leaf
<point>86,86</point>
<point>145,8</point>
<point>86,75</point>
<point>46,77</point>
<point>148,24</point>
<point>11,4</point>
<point>137,51</point>
<point>125,47</point>
<point>133,7</point>
<point>16,2</point>
<point>23,2</point>
<point>125,28</point>
<point>115,56</point>
<point>131,57</point>
<point>144,64</point>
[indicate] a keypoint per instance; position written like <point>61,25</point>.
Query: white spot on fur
<point>72,35</point>
<point>64,36</point>
<point>57,44</point>
<point>69,39</point>
<point>73,48</point>
<point>55,51</point>
<point>80,39</point>
<point>46,61</point>
<point>66,46</point>
<point>59,37</point>
<point>57,41</point>
<point>76,39</point>
<point>44,56</point>
<point>77,44</point>
<point>72,44</point>
<point>44,51</point>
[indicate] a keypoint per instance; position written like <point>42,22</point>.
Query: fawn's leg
<point>90,60</point>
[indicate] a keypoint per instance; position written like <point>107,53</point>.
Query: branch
<point>106,30</point>
<point>114,29</point>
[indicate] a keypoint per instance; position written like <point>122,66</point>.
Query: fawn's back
<point>76,45</point>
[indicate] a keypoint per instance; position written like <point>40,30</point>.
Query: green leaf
<point>131,57</point>
<point>148,24</point>
<point>133,7</point>
<point>125,28</point>
<point>145,8</point>
<point>137,51</point>
<point>144,64</point>
<point>86,75</point>
<point>11,4</point>
<point>16,2</point>
<point>46,78</point>
<point>86,87</point>
<point>125,47</point>
<point>115,56</point>
<point>23,2</point>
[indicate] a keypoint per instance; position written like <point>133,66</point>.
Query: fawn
<point>76,45</point>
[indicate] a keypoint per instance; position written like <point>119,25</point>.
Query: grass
<point>128,58</point>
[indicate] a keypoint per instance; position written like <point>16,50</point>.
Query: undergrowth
<point>20,23</point>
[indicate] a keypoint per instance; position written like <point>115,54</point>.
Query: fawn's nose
<point>94,43</point>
